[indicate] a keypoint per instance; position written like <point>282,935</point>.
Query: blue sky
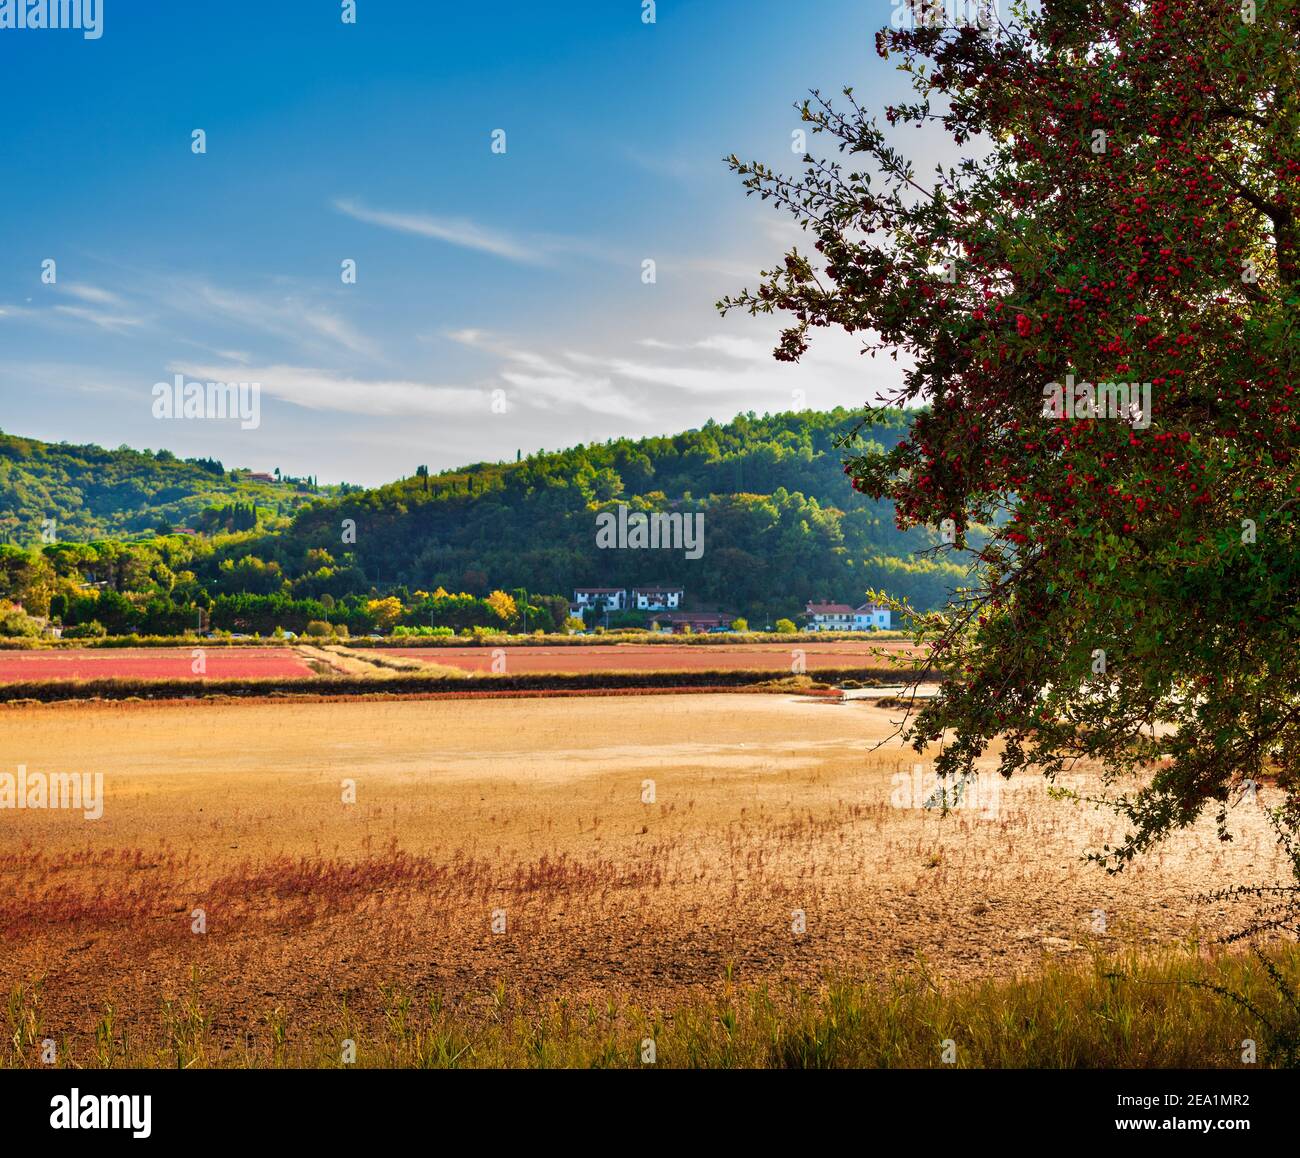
<point>477,272</point>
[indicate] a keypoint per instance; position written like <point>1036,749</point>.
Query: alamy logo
<point>86,15</point>
<point>181,399</point>
<point>36,790</point>
<point>929,791</point>
<point>913,14</point>
<point>1128,401</point>
<point>78,1111</point>
<point>638,531</point>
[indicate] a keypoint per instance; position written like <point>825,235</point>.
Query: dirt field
<point>196,661</point>
<point>765,807</point>
<point>305,660</point>
<point>661,657</point>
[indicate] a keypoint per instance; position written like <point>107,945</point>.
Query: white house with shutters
<point>615,598</point>
<point>597,600</point>
<point>842,617</point>
<point>657,598</point>
<point>869,617</point>
<point>829,617</point>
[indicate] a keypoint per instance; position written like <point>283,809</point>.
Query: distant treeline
<point>476,547</point>
<point>80,493</point>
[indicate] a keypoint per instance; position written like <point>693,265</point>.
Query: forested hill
<point>91,493</point>
<point>782,525</point>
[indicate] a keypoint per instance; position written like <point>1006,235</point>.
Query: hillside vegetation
<point>93,493</point>
<point>781,525</point>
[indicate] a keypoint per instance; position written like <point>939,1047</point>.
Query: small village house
<point>842,617</point>
<point>601,600</point>
<point>661,598</point>
<point>614,598</point>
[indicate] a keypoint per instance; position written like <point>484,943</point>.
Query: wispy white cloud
<point>673,166</point>
<point>113,323</point>
<point>547,383</point>
<point>316,389</point>
<point>745,349</point>
<point>303,324</point>
<point>102,309</point>
<point>595,394</point>
<point>724,370</point>
<point>667,382</point>
<point>55,378</point>
<point>679,390</point>
<point>226,355</point>
<point>453,230</point>
<point>90,293</point>
<point>181,305</point>
<point>532,249</point>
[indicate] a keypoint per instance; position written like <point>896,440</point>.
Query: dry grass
<point>354,662</point>
<point>1165,1011</point>
<point>774,854</point>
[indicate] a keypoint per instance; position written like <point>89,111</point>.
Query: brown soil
<point>798,656</point>
<point>763,805</point>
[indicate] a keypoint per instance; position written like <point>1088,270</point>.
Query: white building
<point>842,617</point>
<point>657,598</point>
<point>869,617</point>
<point>829,617</point>
<point>615,598</point>
<point>598,599</point>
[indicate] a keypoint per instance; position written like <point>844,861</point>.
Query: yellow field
<point>779,846</point>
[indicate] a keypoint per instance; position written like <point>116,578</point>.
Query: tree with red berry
<point>1096,305</point>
